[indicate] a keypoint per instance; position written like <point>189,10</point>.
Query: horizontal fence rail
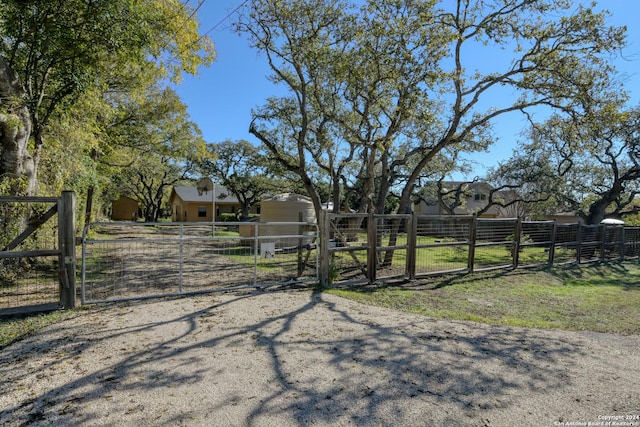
<point>138,260</point>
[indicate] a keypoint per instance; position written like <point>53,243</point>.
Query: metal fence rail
<point>137,260</point>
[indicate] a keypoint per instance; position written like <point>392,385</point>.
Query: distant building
<point>189,206</point>
<point>564,218</point>
<point>472,197</point>
<point>125,209</point>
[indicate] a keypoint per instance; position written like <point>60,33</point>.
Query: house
<point>467,197</point>
<point>564,218</point>
<point>125,209</point>
<point>189,206</point>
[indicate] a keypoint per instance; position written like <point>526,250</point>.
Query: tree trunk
<point>89,206</point>
<point>15,130</point>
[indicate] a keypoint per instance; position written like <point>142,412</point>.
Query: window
<point>478,197</point>
<point>202,211</point>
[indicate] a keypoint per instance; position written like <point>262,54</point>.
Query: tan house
<point>564,218</point>
<point>189,206</point>
<point>125,209</point>
<point>474,196</point>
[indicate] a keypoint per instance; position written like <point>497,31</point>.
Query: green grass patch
<point>595,297</point>
<point>13,329</point>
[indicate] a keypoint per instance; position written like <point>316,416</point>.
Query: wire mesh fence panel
<point>392,245</point>
<point>29,273</point>
<point>117,269</point>
<point>435,259</point>
<point>531,255</point>
<point>566,244</point>
<point>131,261</point>
<point>348,246</point>
<point>442,244</point>
<point>590,243</point>
<point>535,243</point>
<point>28,282</point>
<point>489,256</point>
<point>538,232</point>
<point>613,242</point>
<point>435,229</point>
<point>494,243</point>
<point>631,242</point>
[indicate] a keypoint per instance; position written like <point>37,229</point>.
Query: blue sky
<point>220,99</point>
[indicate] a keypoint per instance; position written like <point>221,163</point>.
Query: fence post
<point>412,239</point>
<point>552,248</point>
<point>472,242</point>
<point>67,245</point>
<point>579,242</point>
<point>323,255</point>
<point>372,255</point>
<point>623,239</point>
<point>300,243</point>
<point>603,240</point>
<point>517,235</point>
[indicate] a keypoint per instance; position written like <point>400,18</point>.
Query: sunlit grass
<point>595,297</point>
<point>14,329</point>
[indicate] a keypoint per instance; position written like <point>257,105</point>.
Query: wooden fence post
<point>472,242</point>
<point>372,251</point>
<point>300,243</point>
<point>67,245</point>
<point>579,242</point>
<point>517,236</point>
<point>323,256</point>
<point>552,247</point>
<point>603,241</point>
<point>622,244</point>
<point>412,239</point>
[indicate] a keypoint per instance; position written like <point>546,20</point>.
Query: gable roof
<point>190,194</point>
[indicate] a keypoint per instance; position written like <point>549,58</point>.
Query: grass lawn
<point>595,297</point>
<point>14,329</point>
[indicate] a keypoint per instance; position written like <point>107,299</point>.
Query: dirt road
<point>293,358</point>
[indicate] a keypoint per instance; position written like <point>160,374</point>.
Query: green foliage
<point>588,165</point>
<point>244,170</point>
<point>381,95</point>
<point>68,49</point>
<point>228,217</point>
<point>524,239</point>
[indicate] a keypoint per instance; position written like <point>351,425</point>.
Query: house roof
<point>190,194</point>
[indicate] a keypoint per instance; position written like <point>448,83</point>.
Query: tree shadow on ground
<point>305,362</point>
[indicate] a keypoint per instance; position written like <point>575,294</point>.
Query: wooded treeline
<point>377,100</point>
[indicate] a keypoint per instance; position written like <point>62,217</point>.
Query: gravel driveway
<point>295,357</point>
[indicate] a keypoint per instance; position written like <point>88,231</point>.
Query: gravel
<point>298,357</point>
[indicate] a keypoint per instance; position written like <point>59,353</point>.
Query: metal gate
<point>140,260</point>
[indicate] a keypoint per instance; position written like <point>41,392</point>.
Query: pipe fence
<point>139,260</point>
